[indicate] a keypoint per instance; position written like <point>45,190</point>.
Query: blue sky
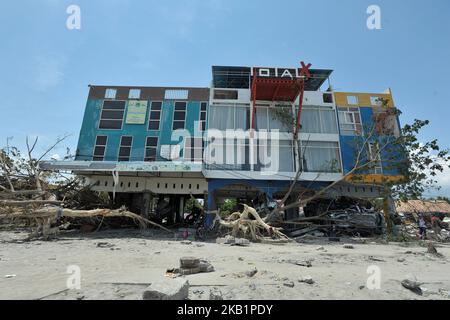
<point>46,68</point>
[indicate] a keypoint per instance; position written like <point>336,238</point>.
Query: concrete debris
<point>400,260</point>
<point>251,273</point>
<point>215,294</point>
<point>289,284</point>
<point>189,262</point>
<point>303,263</point>
<point>306,279</point>
<point>320,248</point>
<point>233,241</point>
<point>167,289</point>
<point>186,242</point>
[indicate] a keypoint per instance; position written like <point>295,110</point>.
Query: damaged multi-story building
<point>238,138</point>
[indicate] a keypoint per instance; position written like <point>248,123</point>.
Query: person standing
<point>422,227</point>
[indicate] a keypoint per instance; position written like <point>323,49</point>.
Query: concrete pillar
<point>146,198</point>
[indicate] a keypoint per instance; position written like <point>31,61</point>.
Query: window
<point>229,116</point>
<point>179,115</point>
<point>203,116</point>
<point>176,94</point>
<point>321,156</point>
<point>100,148</point>
<point>193,149</point>
<point>272,118</point>
<point>375,158</point>
<point>352,100</point>
<point>327,98</point>
<point>151,146</point>
<point>318,120</point>
<point>228,154</point>
<point>110,93</point>
<point>125,148</point>
<point>134,94</point>
<point>112,114</point>
<point>375,101</point>
<point>155,116</point>
<point>350,121</point>
<point>274,155</point>
<point>225,94</point>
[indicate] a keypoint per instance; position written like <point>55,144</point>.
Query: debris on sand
<point>190,265</point>
<point>348,246</point>
<point>289,284</point>
<point>167,289</point>
<point>306,279</point>
<point>251,273</point>
<point>233,241</point>
<point>215,294</point>
<point>412,284</point>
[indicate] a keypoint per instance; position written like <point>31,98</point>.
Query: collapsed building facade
<point>238,138</point>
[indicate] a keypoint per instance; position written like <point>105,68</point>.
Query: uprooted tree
<point>28,195</point>
<point>380,144</point>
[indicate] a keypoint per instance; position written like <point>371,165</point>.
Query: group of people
<point>435,224</point>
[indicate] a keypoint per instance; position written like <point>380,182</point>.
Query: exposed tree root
<point>242,225</point>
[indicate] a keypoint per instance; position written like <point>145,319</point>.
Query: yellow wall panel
<point>363,99</point>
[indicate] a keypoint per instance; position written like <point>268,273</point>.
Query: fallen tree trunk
<point>52,213</point>
<point>22,203</point>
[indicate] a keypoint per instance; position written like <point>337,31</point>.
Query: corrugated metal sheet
<point>419,206</point>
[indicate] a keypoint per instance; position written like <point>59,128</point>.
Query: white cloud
<point>48,72</point>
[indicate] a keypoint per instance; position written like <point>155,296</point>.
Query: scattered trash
<point>303,263</point>
<point>349,246</point>
<point>105,245</point>
<point>401,260</point>
<point>306,279</point>
<point>167,289</point>
<point>10,276</point>
<point>186,242</point>
<point>412,284</point>
<point>372,258</point>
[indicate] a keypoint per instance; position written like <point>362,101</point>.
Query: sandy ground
<point>133,259</point>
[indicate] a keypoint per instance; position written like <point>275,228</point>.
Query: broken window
<point>155,116</point>
<point>134,94</point>
<point>352,100</point>
<point>110,93</point>
<point>350,121</point>
<point>125,148</point>
<point>375,158</point>
<point>151,146</point>
<point>385,120</point>
<point>225,94</point>
<point>100,148</point>
<point>112,114</point>
<point>327,98</point>
<point>179,115</point>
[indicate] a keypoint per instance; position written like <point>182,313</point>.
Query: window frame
<point>160,116</point>
<point>335,148</point>
<point>148,147</point>
<point>378,167</point>
<point>103,109</point>
<point>352,96</point>
<point>343,121</point>
<point>99,145</point>
<point>185,115</point>
<point>120,147</point>
<point>202,124</point>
